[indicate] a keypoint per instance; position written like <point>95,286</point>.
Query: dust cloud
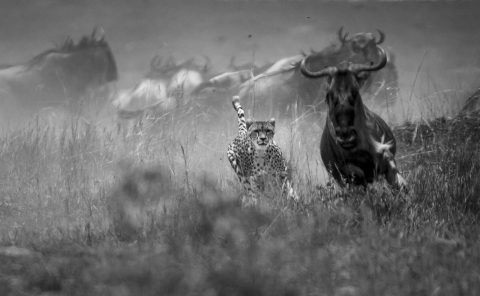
<point>435,46</point>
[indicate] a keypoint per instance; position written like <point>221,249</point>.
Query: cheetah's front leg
<point>232,158</point>
<point>249,188</point>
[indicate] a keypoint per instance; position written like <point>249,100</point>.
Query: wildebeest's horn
<point>156,62</point>
<point>101,34</point>
<point>207,64</point>
<point>170,62</point>
<point>98,34</point>
<point>93,36</point>
<point>382,37</point>
<point>68,43</point>
<point>357,68</point>
<point>329,71</point>
<point>342,37</point>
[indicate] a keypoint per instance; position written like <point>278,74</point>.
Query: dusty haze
<point>439,40</point>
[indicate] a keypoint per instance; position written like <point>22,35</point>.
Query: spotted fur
<point>255,157</point>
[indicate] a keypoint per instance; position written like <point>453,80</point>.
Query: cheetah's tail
<point>236,103</point>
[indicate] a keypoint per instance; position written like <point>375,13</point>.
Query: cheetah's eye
<point>270,133</point>
<point>254,134</point>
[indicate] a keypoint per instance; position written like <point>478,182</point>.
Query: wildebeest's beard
<point>261,132</point>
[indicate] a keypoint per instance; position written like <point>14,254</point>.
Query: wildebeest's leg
<point>387,158</point>
<point>393,176</point>
<point>250,188</point>
<point>354,174</point>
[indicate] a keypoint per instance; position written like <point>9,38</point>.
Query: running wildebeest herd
<point>64,75</point>
<point>357,146</point>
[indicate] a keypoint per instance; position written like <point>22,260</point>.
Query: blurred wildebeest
<point>282,85</point>
<point>231,80</point>
<point>228,81</point>
<point>357,145</point>
<point>472,105</point>
<point>62,76</point>
<point>180,79</point>
<point>165,87</point>
<point>248,66</point>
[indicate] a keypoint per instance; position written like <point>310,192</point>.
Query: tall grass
<point>88,211</point>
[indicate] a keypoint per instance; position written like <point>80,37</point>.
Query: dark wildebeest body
<point>357,146</point>
<point>62,76</point>
<point>283,84</point>
<point>358,164</point>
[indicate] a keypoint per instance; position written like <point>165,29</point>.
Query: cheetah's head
<point>261,132</point>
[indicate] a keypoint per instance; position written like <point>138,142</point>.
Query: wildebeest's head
<point>361,48</point>
<point>77,66</point>
<point>345,107</point>
<point>362,45</point>
<point>261,132</point>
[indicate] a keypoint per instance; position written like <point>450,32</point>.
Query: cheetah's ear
<point>249,123</point>
<point>272,121</point>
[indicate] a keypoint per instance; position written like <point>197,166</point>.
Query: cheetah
<point>256,158</point>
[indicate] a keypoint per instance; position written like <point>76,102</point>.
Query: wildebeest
<point>472,105</point>
<point>165,87</point>
<point>61,76</point>
<point>225,81</point>
<point>357,145</point>
<point>232,79</point>
<point>282,85</point>
<point>181,79</point>
<point>248,66</point>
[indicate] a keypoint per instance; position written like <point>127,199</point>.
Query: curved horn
<point>382,37</point>
<point>329,71</point>
<point>357,68</point>
<point>101,34</point>
<point>342,37</point>
<point>170,62</point>
<point>208,63</point>
<point>94,33</point>
<point>68,43</point>
<point>156,62</point>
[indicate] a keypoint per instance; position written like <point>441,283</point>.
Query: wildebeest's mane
<point>69,46</point>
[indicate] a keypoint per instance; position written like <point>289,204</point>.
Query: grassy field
<point>88,210</point>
